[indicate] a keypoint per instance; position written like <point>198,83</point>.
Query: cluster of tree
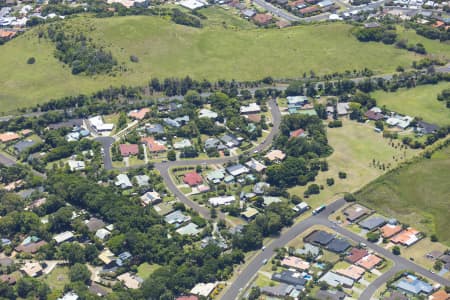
<point>79,52</point>
<point>385,34</point>
<point>25,288</point>
<point>445,96</point>
<point>183,18</point>
<point>418,48</point>
<point>431,32</point>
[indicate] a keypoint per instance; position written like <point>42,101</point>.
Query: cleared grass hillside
<point>165,49</point>
<point>417,194</point>
<point>418,102</point>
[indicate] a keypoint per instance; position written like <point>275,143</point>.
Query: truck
<point>318,210</point>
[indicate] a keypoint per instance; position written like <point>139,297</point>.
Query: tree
<point>342,175</point>
<point>79,272</point>
<point>330,181</point>
<point>31,61</point>
<point>434,238</point>
<point>379,124</point>
<point>373,237</point>
<point>171,155</point>
<point>349,197</point>
<point>437,265</point>
<point>254,293</point>
<point>122,121</point>
<point>396,250</point>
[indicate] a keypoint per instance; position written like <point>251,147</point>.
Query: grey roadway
<point>246,275</point>
<point>106,142</point>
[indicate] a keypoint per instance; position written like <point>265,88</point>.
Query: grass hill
<point>417,194</point>
<point>165,49</point>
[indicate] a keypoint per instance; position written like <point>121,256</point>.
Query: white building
<point>63,237</point>
<point>76,165</point>
<point>203,289</point>
<point>222,200</point>
<point>98,124</point>
<point>252,108</point>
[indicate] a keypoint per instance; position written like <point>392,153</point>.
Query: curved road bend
<point>401,263</point>
<point>164,168</point>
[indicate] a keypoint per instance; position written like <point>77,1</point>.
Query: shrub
<point>31,61</point>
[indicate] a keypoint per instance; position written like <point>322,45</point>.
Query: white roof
<point>192,4</point>
<point>206,113</point>
<point>97,123</point>
<point>255,165</point>
<point>76,165</point>
<point>123,181</point>
<point>182,144</point>
<point>62,237</point>
<point>222,200</point>
<point>102,233</point>
<point>342,108</point>
<point>251,108</point>
<point>203,289</point>
<point>69,296</point>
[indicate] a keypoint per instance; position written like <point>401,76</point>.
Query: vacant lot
<point>165,49</point>
<point>417,194</point>
<point>355,147</point>
<point>418,102</point>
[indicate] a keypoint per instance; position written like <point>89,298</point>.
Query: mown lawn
<point>417,102</point>
<point>355,147</point>
<point>165,49</point>
<point>145,270</point>
<point>417,194</point>
<point>56,280</point>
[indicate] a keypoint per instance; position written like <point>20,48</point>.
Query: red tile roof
<point>309,9</point>
<point>369,262</point>
<point>31,247</point>
<point>187,298</point>
<point>139,114</point>
<point>129,149</point>
<point>8,136</point>
<point>7,34</point>
<point>297,133</point>
<point>356,254</point>
<point>440,295</point>
<point>295,3</point>
<point>192,179</point>
<point>153,146</point>
<point>262,18</point>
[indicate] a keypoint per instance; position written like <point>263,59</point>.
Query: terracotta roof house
<point>353,272</point>
<point>192,179</point>
<point>295,262</point>
<point>30,247</point>
<point>406,237</point>
<point>153,146</point>
<point>389,230</point>
<point>297,133</point>
<point>7,34</point>
<point>129,149</point>
<point>356,254</point>
<point>309,10</point>
<point>255,118</point>
<point>439,295</point>
<point>296,3</point>
<point>138,114</point>
<point>187,298</point>
<point>262,19</point>
<point>8,137</point>
<point>275,155</point>
<point>369,262</point>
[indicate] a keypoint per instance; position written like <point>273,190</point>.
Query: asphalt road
<point>246,275</point>
<point>277,11</point>
<point>106,142</point>
<point>7,161</point>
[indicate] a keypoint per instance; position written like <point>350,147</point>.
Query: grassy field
<point>145,270</point>
<point>56,280</point>
<point>355,146</point>
<point>417,194</point>
<point>419,102</point>
<point>438,50</point>
<point>165,49</point>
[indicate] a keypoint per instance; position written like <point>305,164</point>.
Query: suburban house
<point>255,165</point>
<point>260,187</point>
<point>32,269</point>
<point>130,281</point>
<point>213,143</point>
<point>301,207</point>
<point>326,5</point>
<point>192,179</point>
<point>31,245</point>
<point>123,181</point>
<point>184,143</point>
<point>237,170</point>
<point>389,230</point>
<point>407,237</point>
<point>412,285</point>
<point>353,272</point>
<point>102,234</point>
<point>343,108</point>
<point>297,133</point>
<point>154,128</point>
<point>355,255</point>
<point>142,180</point>
<point>203,289</point>
<point>439,295</point>
<point>275,155</point>
<point>334,280</point>
<point>94,224</point>
<point>296,102</point>
<point>319,237</point>
<point>97,123</point>
<point>308,250</point>
<point>338,245</point>
<point>73,124</point>
<point>230,140</point>
<point>189,229</point>
<point>153,145</point>
<point>426,128</point>
<point>295,262</point>
<point>309,10</point>
<point>267,200</point>
<point>262,19</point>
<point>248,13</point>
<point>282,290</point>
<point>206,113</point>
<point>23,145</point>
<point>63,237</point>
<point>8,137</point>
<point>331,295</point>
<point>290,277</point>
<point>355,212</point>
<point>374,116</point>
<point>128,149</point>
<point>249,214</point>
<point>399,121</point>
<point>372,223</point>
<point>216,176</point>
<point>76,165</point>
<point>369,262</point>
<point>150,198</point>
<point>221,200</point>
<point>176,218</point>
<point>139,114</point>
